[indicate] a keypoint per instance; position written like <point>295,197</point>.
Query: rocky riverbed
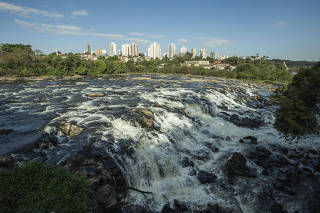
<point>151,143</point>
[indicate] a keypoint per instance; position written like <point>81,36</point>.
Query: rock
<point>146,123</point>
<point>212,147</point>
<point>70,129</point>
<point>186,162</point>
<point>249,140</point>
<point>95,95</point>
<point>146,112</point>
<point>206,177</point>
<point>277,208</point>
<point>167,209</point>
<point>88,172</point>
<point>246,122</point>
<point>5,131</point>
<point>82,83</point>
<point>180,206</point>
<point>7,161</point>
<point>107,197</point>
<point>236,166</point>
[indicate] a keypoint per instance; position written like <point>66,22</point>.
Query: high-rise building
<point>125,49</point>
<point>203,53</point>
<point>134,50</point>
<point>89,49</point>
<point>99,52</point>
<point>154,51</point>
<point>172,50</point>
<point>113,49</point>
<point>183,50</point>
<point>194,52</point>
<point>212,54</point>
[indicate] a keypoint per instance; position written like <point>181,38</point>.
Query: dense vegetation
<point>21,60</point>
<point>298,105</point>
<point>37,187</point>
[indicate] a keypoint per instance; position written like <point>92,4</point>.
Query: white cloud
<point>136,34</point>
<point>279,24</point>
<point>182,41</point>
<point>75,30</point>
<point>80,13</point>
<point>26,11</point>
<point>138,40</point>
<point>147,35</point>
<point>213,42</point>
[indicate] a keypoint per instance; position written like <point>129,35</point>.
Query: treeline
<point>299,104</point>
<point>21,60</point>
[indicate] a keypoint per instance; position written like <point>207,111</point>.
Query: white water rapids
<point>190,116</point>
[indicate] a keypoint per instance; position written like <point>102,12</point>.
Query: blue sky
<point>276,28</point>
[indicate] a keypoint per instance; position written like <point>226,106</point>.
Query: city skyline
<point>287,30</point>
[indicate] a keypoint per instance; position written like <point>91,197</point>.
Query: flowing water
<point>192,123</point>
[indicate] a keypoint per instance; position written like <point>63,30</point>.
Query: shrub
<point>37,187</point>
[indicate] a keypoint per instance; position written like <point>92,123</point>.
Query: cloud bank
<point>26,11</point>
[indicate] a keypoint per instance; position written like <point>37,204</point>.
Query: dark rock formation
<point>237,166</point>
<point>206,177</point>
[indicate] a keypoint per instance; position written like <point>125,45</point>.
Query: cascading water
<point>194,125</point>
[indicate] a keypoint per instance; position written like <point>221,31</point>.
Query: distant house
<point>223,66</point>
<point>205,64</point>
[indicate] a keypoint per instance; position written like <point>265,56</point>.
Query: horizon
<point>279,30</point>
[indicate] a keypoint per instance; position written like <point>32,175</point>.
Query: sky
<point>285,29</point>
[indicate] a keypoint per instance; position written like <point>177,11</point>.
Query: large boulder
<point>206,177</point>
<point>237,166</point>
<point>246,122</point>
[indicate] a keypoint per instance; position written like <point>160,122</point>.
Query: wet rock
<point>246,122</point>
<point>261,157</point>
<point>212,147</point>
<point>7,161</point>
<point>95,95</point>
<point>167,209</point>
<point>107,197</point>
<point>146,123</point>
<point>186,162</point>
<point>180,206</point>
<point>88,172</point>
<point>5,131</point>
<point>277,208</point>
<point>279,161</point>
<point>206,177</point>
<point>249,140</point>
<point>146,112</point>
<point>70,129</point>
<point>237,166</point>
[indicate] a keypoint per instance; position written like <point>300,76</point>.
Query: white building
<point>103,52</point>
<point>113,49</point>
<point>172,50</point>
<point>134,50</point>
<point>194,52</point>
<point>203,53</point>
<point>154,51</point>
<point>183,50</point>
<point>129,49</point>
<point>125,49</point>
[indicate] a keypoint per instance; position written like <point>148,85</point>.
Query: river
<point>161,131</point>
